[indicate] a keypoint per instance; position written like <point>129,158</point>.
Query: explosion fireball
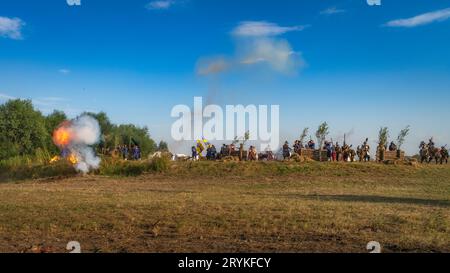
<point>63,136</point>
<point>75,139</point>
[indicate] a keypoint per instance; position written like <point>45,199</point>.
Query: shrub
<point>160,164</point>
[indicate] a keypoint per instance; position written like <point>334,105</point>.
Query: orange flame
<point>63,135</point>
<point>73,159</point>
<point>54,159</point>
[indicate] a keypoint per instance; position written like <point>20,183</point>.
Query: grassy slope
<point>229,207</point>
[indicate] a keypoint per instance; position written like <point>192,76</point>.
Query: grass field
<point>233,207</point>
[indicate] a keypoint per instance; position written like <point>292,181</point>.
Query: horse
<point>434,153</point>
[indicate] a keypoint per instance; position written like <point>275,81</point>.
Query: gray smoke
<point>85,132</point>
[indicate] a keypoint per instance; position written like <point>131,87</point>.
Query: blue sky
<point>359,67</point>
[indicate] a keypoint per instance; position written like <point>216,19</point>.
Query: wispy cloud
<point>332,10</point>
<point>45,101</point>
<point>64,71</point>
<point>212,65</point>
<point>257,44</point>
<point>160,5</point>
<point>422,19</point>
<point>263,28</point>
<point>11,28</point>
<point>4,97</point>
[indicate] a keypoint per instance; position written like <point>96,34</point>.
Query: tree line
<point>24,130</point>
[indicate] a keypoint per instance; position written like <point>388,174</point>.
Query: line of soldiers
<point>128,152</point>
<point>429,151</point>
<point>334,152</point>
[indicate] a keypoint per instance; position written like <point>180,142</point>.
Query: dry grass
<point>234,207</point>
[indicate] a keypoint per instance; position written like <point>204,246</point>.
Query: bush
<point>160,164</point>
<point>118,167</point>
<point>19,168</point>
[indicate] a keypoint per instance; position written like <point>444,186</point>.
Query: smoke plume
<point>75,139</point>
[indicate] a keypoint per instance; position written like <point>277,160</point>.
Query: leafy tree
<point>303,135</point>
<point>383,136</point>
<point>321,134</point>
<point>22,129</point>
<point>163,146</point>
<point>53,120</point>
<point>130,134</point>
<point>402,136</point>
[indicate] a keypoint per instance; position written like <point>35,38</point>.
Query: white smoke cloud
<point>214,65</point>
<point>275,53</point>
<point>84,132</point>
<point>87,130</point>
<point>257,44</point>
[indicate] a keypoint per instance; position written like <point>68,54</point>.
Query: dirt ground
<point>405,211</point>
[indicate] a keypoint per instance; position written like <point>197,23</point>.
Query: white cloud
<point>160,5</point>
<point>332,10</point>
<point>263,28</point>
<point>422,19</point>
<point>256,45</point>
<point>277,53</point>
<point>11,28</point>
<point>64,71</point>
<point>40,102</point>
<point>4,97</point>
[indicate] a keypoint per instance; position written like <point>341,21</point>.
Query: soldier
<point>136,153</point>
<point>338,151</point>
<point>345,152</point>
<point>297,146</point>
<point>286,150</point>
<point>381,152</point>
<point>312,144</point>
<point>431,143</point>
<point>252,155</point>
<point>194,153</point>
<point>213,152</point>
<point>269,153</point>
<point>444,154</point>
<point>352,155</point>
<point>392,147</point>
<point>231,149</point>
<point>366,150</point>
<point>329,149</point>
<point>223,150</point>
<point>125,152</point>
<point>208,152</point>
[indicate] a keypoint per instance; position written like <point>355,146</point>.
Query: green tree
<point>303,135</point>
<point>53,120</point>
<point>22,129</point>
<point>163,146</point>
<point>321,134</point>
<point>383,136</point>
<point>402,136</point>
<point>129,134</point>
